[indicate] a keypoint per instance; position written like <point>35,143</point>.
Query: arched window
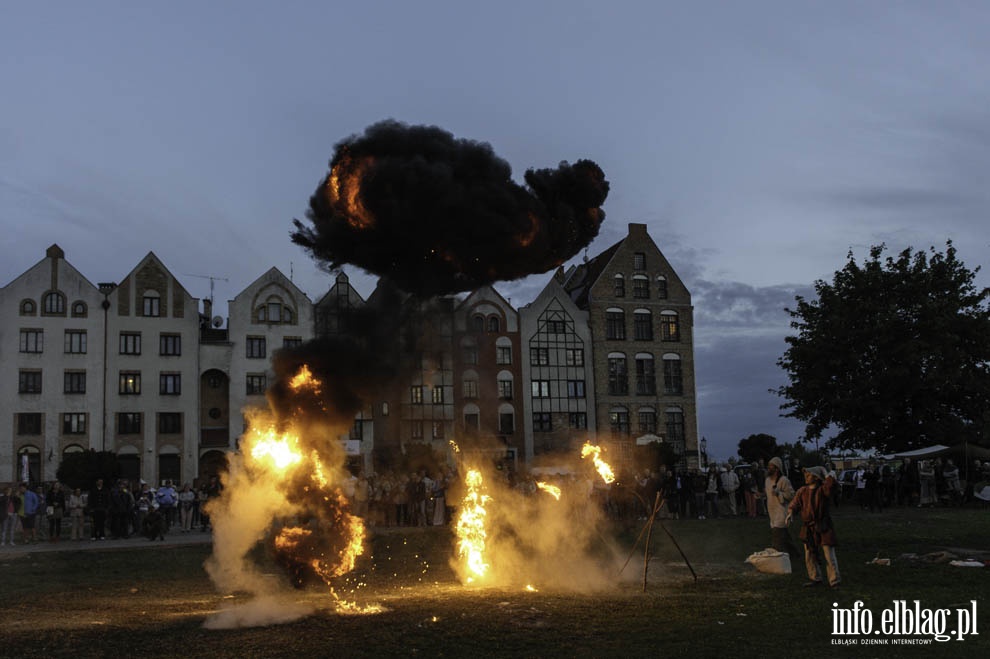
<point>494,324</point>
<point>28,308</point>
<point>54,303</point>
<point>274,312</point>
<point>673,381</point>
<point>478,323</point>
<point>615,324</point>
<point>28,467</point>
<point>79,309</point>
<point>647,420</point>
<point>618,420</point>
<point>643,325</point>
<point>646,381</point>
<point>661,287</point>
<point>641,287</point>
<point>670,327</point>
<point>619,286</point>
<point>618,374</point>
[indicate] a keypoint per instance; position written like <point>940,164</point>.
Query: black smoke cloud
<point>438,215</point>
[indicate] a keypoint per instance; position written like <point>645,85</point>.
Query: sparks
<point>470,526</point>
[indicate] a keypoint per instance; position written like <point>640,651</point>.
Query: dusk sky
<point>759,141</point>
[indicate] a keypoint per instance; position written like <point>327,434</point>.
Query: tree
<point>83,468</point>
<point>758,447</point>
<point>893,355</point>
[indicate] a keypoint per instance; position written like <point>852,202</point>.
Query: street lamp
<point>704,453</point>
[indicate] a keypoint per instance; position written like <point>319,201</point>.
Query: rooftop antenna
<point>212,280</point>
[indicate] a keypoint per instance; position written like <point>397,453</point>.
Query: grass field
<point>152,601</point>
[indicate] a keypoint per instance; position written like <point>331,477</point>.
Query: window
<point>29,423</point>
<point>32,340</point>
<point>169,384</point>
<point>75,341</point>
<point>503,354</point>
<point>541,388</point>
<point>574,356</point>
<point>615,325</point>
<point>151,304</point>
<point>169,423</point>
<point>130,343</point>
<point>291,342</point>
<point>256,384</point>
<point>28,308</point>
<point>472,420</point>
<point>357,430</point>
<point>661,288</point>
<point>74,423</point>
<point>618,377</point>
<point>274,313</point>
<point>672,380</point>
<point>478,323</point>
<point>170,344</point>
<point>542,422</point>
<point>75,382</point>
<point>470,388</point>
<point>648,421</point>
<point>669,326</point>
<point>556,327</point>
<point>129,423</point>
<point>675,425</point>
<point>437,394</point>
<point>438,430</point>
<point>29,382</point>
<point>416,394</point>
<point>416,429</point>
<point>506,423</point>
<point>471,355</point>
<point>539,356</point>
<point>575,388</point>
<point>618,420</point>
<point>505,389</point>
<point>256,347</point>
<point>494,324</point>
<point>79,309</point>
<point>619,286</point>
<point>639,261</point>
<point>578,420</point>
<point>641,287</point>
<point>54,304</point>
<point>646,382</point>
<point>643,325</point>
<point>130,383</point>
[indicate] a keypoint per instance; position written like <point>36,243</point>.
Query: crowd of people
<point>117,511</point>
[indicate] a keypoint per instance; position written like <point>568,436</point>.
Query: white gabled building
<point>51,347</point>
<point>271,313</point>
<point>152,371</point>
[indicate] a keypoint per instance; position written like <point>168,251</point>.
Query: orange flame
<point>552,490</point>
<point>470,526</point>
<point>344,184</point>
<point>526,239</point>
<point>304,380</point>
<point>278,453</point>
<point>604,470</point>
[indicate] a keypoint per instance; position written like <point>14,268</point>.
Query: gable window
<point>494,324</point>
<point>641,287</point>
<point>639,261</point>
<point>75,342</point>
<point>79,309</point>
<point>170,344</point>
<point>478,323</point>
<point>74,423</point>
<point>75,382</point>
<point>256,347</point>
<point>130,343</point>
<point>618,376</point>
<point>29,382</point>
<point>673,382</point>
<point>670,329</point>
<point>129,383</point>
<point>53,304</point>
<point>151,304</point>
<point>28,308</point>
<point>619,286</point>
<point>615,324</point>
<point>32,340</point>
<point>274,312</point>
<point>661,288</point>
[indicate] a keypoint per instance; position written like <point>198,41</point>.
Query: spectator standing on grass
<point>186,498</point>
<point>811,502</point>
<point>750,492</point>
<point>699,483</point>
<point>950,473</point>
<point>860,480</point>
<point>711,492</point>
<point>76,506</point>
<point>907,483</point>
<point>761,496</point>
<point>99,504</point>
<point>41,517</point>
<point>28,514</point>
<point>730,485</point>
<point>779,493</point>
<point>166,498</point>
<point>56,505</point>
<point>9,503</point>
<point>926,481</point>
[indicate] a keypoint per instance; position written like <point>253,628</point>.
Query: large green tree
<point>892,355</point>
<point>760,446</point>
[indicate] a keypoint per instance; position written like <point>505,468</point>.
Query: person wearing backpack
<point>166,498</point>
